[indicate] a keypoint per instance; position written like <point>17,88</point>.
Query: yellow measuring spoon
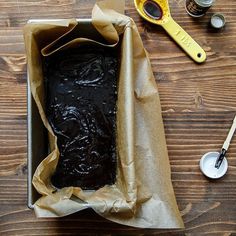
<point>157,12</point>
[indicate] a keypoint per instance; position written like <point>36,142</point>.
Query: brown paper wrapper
<point>143,194</point>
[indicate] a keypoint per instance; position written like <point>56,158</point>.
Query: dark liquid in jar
<point>81,95</point>
<point>153,10</point>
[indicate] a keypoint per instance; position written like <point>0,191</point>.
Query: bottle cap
<point>204,3</point>
<point>218,21</point>
<point>207,165</point>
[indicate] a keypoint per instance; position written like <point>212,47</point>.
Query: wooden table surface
<point>198,103</point>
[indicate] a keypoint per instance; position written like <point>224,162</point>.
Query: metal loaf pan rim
<point>32,114</point>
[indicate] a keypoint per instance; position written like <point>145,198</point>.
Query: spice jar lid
<point>207,165</point>
<point>217,21</point>
<point>204,3</point>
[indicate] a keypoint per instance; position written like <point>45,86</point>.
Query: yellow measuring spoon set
<point>157,12</point>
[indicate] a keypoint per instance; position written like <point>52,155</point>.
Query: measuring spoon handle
<point>185,41</point>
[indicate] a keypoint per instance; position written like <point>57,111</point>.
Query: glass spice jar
<point>198,8</point>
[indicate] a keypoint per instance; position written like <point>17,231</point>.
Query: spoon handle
<point>230,135</point>
<point>185,41</point>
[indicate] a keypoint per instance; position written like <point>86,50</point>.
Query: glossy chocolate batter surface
<point>81,94</point>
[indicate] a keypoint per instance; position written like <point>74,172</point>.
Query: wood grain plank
<point>208,217</point>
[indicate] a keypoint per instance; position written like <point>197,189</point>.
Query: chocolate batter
<point>81,94</point>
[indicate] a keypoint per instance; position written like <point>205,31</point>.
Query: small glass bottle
<point>198,8</point>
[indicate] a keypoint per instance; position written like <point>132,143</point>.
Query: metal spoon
<point>226,144</point>
<point>213,164</point>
